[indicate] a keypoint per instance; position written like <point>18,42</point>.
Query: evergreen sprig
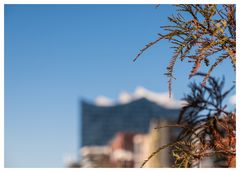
<point>208,33</point>
<point>207,128</point>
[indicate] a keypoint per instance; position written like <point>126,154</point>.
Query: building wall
<point>146,144</point>
<point>100,124</point>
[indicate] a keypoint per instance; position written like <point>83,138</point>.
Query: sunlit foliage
<point>206,36</point>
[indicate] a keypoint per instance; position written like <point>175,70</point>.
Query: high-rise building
<point>116,125</point>
<point>101,123</point>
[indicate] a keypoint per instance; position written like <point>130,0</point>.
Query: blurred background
<point>73,95</point>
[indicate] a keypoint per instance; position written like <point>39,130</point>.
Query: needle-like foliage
<point>206,36</point>
<point>213,126</point>
<point>207,128</point>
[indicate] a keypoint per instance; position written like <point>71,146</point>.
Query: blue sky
<point>56,55</point>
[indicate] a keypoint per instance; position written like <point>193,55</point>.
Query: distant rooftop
<point>125,97</point>
<point>101,123</point>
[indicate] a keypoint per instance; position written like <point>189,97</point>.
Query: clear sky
<point>55,55</point>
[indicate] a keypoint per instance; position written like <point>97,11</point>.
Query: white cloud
<point>125,97</point>
<point>103,101</point>
<point>159,98</point>
<point>232,100</point>
<point>141,92</point>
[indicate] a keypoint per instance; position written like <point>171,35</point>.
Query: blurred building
<point>101,123</point>
<point>122,150</point>
<point>95,156</point>
<point>117,153</point>
<point>131,149</point>
<point>127,132</point>
<point>122,134</point>
<point>146,144</point>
